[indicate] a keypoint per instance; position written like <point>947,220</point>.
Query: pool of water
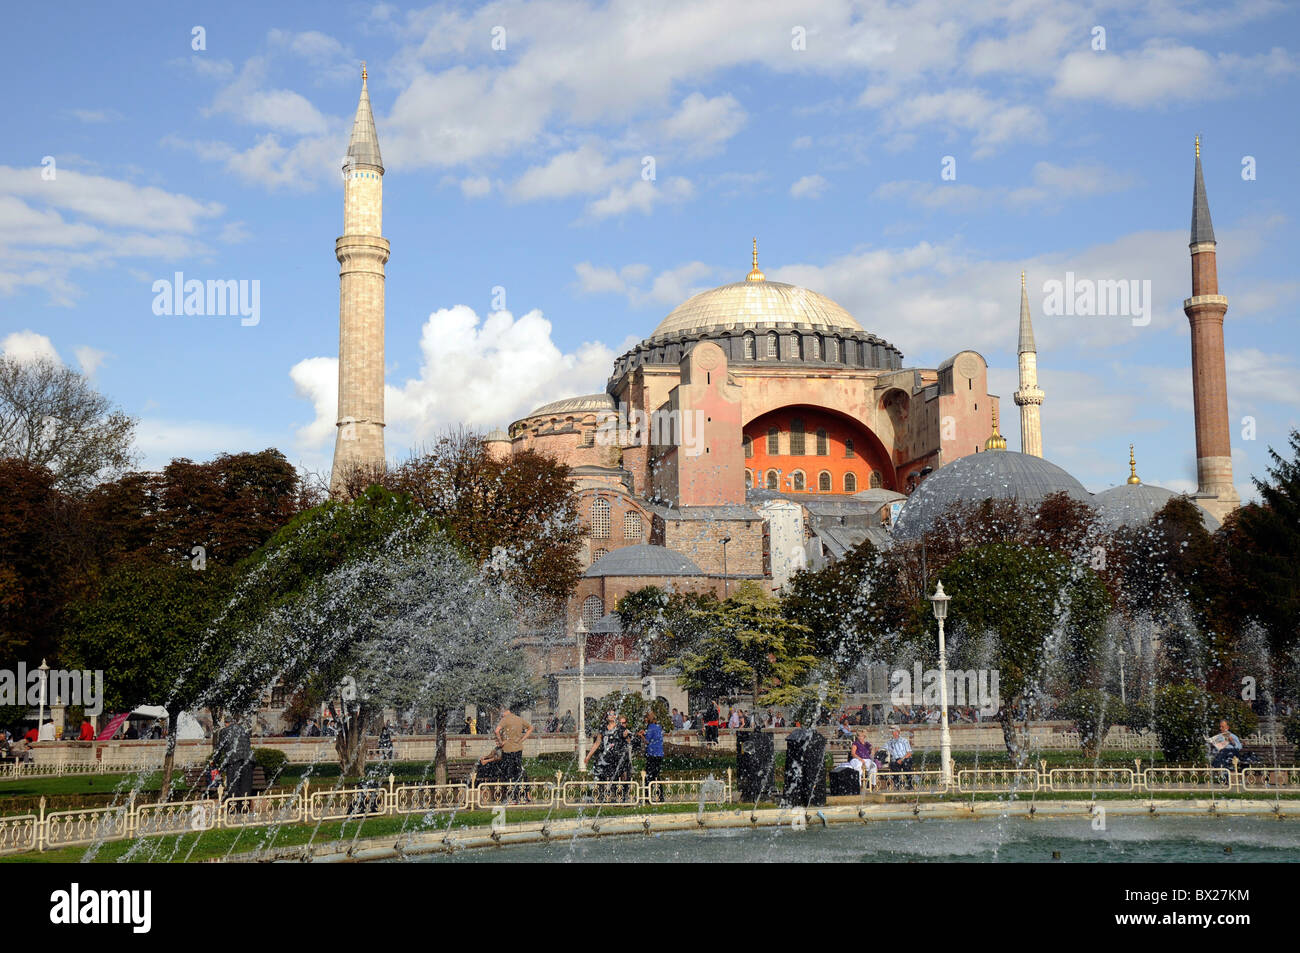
<point>1005,840</point>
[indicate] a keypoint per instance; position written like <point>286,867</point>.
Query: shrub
<point>270,760</point>
<point>1291,730</point>
<point>1240,716</point>
<point>1182,721</point>
<point>1093,712</point>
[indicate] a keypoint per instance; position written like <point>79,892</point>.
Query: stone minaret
<point>1205,310</point>
<point>1028,398</point>
<point>361,252</point>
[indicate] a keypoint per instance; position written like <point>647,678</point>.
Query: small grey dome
<point>497,436</point>
<point>994,474</point>
<point>643,560</point>
<point>1131,504</point>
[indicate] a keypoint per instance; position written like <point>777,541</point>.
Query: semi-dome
<point>591,403</point>
<point>756,303</point>
<point>994,474</point>
<point>1131,504</point>
<point>643,560</point>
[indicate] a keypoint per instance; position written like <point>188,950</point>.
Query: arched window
<point>599,555</point>
<point>832,349</point>
<point>850,483</point>
<point>796,437</point>
<point>875,481</point>
<point>816,347</point>
<point>773,441</point>
<point>749,479</point>
<point>848,447</point>
<point>749,346</point>
<point>798,478</point>
<point>798,346</point>
<point>592,610</point>
<point>748,443</point>
<point>824,481</point>
<point>823,444</point>
<point>772,480</point>
<point>632,529</point>
<point>771,345</point>
<point>620,652</point>
<point>600,519</point>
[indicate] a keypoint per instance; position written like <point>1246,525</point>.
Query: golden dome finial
<point>363,71</point>
<point>1198,147</point>
<point>1132,467</point>
<point>755,274</point>
<point>996,441</point>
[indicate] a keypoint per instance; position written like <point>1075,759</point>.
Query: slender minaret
<point>1029,398</point>
<point>1205,310</point>
<point>361,252</point>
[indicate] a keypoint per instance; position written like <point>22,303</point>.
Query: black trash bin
<point>756,766</point>
<point>805,768</point>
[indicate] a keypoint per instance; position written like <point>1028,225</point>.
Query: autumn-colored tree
<point>43,559</point>
<point>518,515</point>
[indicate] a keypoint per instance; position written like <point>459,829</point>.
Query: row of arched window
<point>799,481</point>
<point>633,527</point>
<point>797,442</point>
<point>810,348</point>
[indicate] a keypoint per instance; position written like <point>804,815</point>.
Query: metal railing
<point>84,826</point>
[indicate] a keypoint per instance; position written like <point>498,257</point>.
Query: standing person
<point>607,743</point>
<point>567,725</point>
<point>511,732</point>
<point>712,718</point>
<point>47,731</point>
<point>87,731</point>
<point>654,748</point>
<point>678,720</point>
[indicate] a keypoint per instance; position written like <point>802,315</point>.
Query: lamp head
<point>940,601</point>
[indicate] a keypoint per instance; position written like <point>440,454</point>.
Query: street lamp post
<point>940,602</point>
<point>45,680</point>
<point>1122,696</point>
<point>580,631</point>
<point>725,588</point>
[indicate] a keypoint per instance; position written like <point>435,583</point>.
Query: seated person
<point>1224,747</point>
<point>900,752</point>
<point>861,757</point>
<point>489,767</point>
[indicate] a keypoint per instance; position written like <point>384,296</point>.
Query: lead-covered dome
<point>1131,504</point>
<point>643,560</point>
<point>994,474</point>
<point>755,304</point>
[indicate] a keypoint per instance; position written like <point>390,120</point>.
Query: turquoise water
<point>1008,840</point>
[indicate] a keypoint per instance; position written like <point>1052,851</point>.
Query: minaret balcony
<point>1199,300</point>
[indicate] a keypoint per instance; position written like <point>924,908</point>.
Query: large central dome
<point>754,303</point>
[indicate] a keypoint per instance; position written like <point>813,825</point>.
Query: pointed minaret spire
<point>1202,227</point>
<point>1028,398</point>
<point>363,147</point>
<point>1205,310</point>
<point>362,252</point>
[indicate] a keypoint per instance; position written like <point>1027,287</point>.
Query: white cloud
<point>27,346</point>
<point>1048,186</point>
<point>641,196</point>
<point>583,171</point>
<point>475,187</point>
<point>809,187</point>
<point>704,124</point>
<point>1163,72</point>
<point>89,358</point>
<point>670,287</point>
<point>484,372</point>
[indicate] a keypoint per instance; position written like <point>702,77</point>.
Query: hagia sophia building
<point>758,430</point>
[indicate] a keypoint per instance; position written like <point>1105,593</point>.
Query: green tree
<point>854,608</point>
<point>143,629</point>
<point>747,645</point>
<point>1017,596</point>
<point>661,621</point>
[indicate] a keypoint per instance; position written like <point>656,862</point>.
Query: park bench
<point>195,780</point>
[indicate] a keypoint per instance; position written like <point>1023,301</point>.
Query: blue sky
<point>522,168</point>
